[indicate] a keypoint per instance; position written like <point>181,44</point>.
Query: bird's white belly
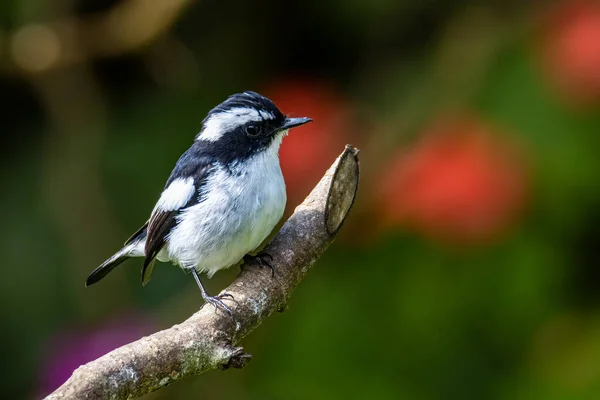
<point>239,210</point>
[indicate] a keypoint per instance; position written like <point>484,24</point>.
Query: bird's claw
<point>261,260</point>
<point>216,302</point>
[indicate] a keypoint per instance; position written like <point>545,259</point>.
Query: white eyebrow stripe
<point>219,123</point>
<point>266,115</point>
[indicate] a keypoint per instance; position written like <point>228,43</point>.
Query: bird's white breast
<point>240,205</point>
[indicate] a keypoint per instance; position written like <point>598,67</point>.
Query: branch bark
<point>208,339</point>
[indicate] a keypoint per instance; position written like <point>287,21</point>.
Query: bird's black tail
<point>108,265</point>
<point>126,252</point>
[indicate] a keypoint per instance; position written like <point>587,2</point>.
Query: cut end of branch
<point>342,191</point>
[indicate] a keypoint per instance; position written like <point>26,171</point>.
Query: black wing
<point>163,218</point>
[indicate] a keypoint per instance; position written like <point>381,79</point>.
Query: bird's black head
<point>243,125</point>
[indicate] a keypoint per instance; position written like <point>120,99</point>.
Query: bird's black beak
<point>294,122</point>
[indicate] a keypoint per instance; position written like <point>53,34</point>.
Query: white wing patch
<point>218,124</point>
<point>176,195</point>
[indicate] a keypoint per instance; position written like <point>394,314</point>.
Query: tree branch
<point>208,339</point>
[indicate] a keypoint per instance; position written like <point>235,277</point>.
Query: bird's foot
<point>261,259</point>
<point>216,302</point>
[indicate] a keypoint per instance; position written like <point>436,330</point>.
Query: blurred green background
<point>469,265</point>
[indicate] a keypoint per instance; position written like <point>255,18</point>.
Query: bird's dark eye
<point>252,130</point>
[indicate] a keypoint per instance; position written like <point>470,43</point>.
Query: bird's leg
<point>261,259</point>
<point>214,300</point>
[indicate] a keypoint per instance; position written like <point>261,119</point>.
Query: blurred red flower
<point>310,149</point>
<point>459,183</point>
<point>572,49</point>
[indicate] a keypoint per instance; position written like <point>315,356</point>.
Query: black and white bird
<point>223,198</point>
